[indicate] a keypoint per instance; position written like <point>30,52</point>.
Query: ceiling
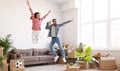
<point>59,1</point>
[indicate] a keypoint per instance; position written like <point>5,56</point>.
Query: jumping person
<point>53,33</point>
<point>36,23</point>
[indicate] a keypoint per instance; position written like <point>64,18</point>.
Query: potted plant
<point>6,44</point>
<point>83,54</point>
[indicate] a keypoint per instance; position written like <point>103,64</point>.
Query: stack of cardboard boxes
<point>4,66</point>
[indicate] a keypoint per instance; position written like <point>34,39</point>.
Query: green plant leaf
<point>79,54</point>
<point>89,59</point>
<point>6,43</point>
<point>88,50</point>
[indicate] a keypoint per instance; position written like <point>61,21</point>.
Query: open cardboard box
<point>118,67</point>
<point>107,63</point>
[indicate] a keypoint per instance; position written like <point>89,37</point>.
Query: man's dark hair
<point>53,20</point>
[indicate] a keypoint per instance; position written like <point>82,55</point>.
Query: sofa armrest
<point>49,53</point>
<point>12,56</point>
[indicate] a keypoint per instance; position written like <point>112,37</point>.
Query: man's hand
<point>49,11</point>
<point>49,22</point>
<point>72,19</point>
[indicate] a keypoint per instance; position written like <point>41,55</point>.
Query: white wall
<point>68,5</point>
<point>15,20</point>
<point>69,11</point>
<point>70,30</point>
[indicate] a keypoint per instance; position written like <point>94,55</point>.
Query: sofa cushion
<point>25,52</point>
<point>37,51</point>
<point>30,58</point>
<point>46,57</point>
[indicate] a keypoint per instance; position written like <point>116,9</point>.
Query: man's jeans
<point>53,41</point>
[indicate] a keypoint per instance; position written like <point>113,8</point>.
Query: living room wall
<point>69,31</point>
<point>15,20</point>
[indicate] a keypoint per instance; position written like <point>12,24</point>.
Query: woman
<point>36,23</point>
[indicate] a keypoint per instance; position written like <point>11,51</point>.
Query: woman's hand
<point>28,3</point>
<point>49,11</point>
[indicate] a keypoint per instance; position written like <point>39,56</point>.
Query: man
<point>53,33</point>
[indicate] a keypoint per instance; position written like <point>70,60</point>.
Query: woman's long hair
<point>35,15</point>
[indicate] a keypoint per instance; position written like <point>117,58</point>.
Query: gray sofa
<point>35,56</point>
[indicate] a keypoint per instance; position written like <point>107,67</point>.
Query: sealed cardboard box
<point>12,62</point>
<point>118,68</point>
<point>4,67</point>
<point>107,63</point>
<point>72,68</point>
<point>13,66</point>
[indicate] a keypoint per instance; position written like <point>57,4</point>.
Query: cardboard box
<point>83,64</point>
<point>93,65</point>
<point>4,68</point>
<point>12,62</point>
<point>107,63</point>
<point>72,68</point>
<point>18,69</point>
<point>71,54</point>
<point>4,62</point>
<point>13,66</point>
<point>60,60</point>
<point>1,51</point>
<point>118,68</point>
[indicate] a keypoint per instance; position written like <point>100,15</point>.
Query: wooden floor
<point>56,68</point>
